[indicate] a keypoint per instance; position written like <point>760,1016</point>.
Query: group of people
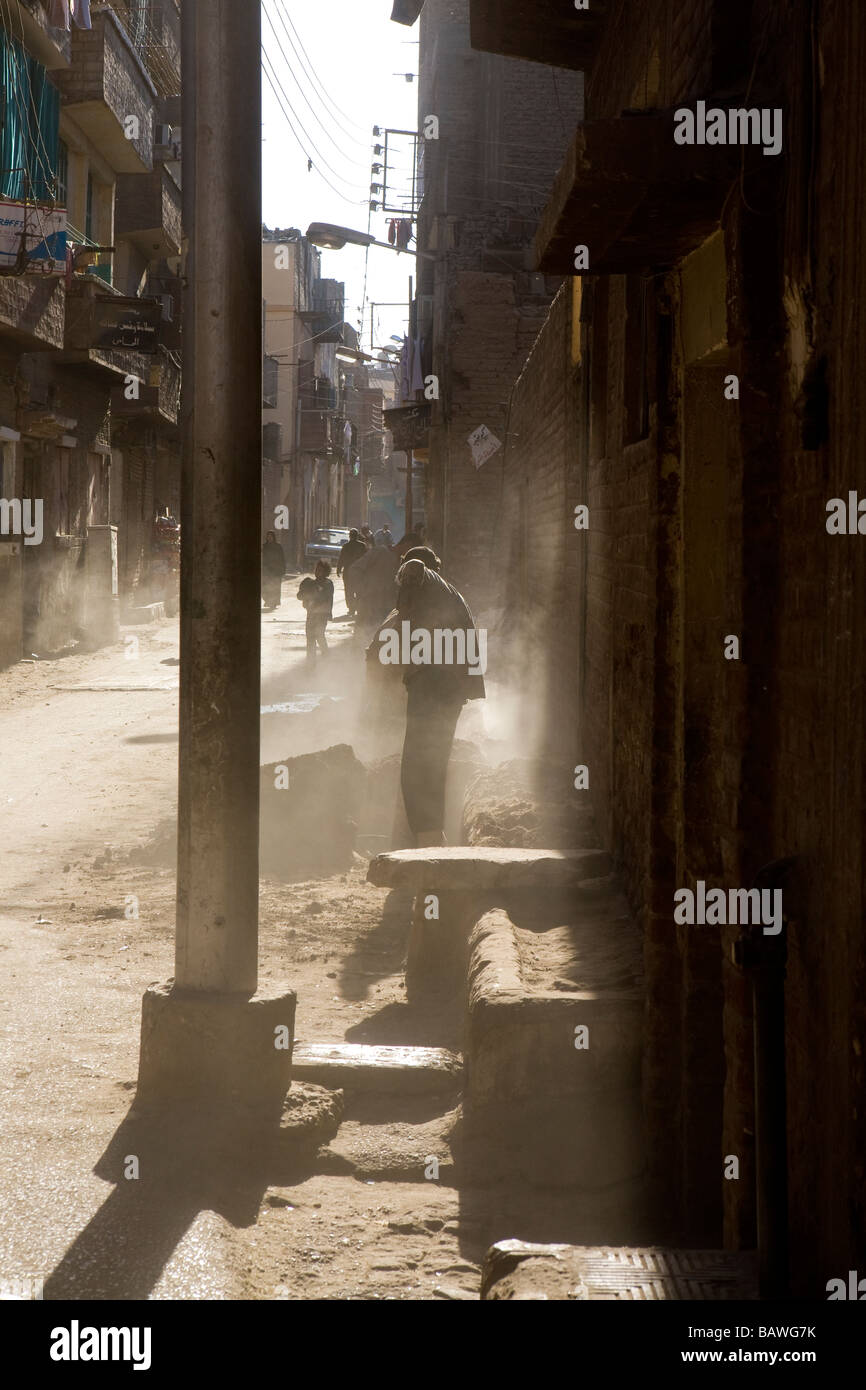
<point>385,585</point>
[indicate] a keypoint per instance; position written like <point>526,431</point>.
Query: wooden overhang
<point>543,31</point>
<point>406,11</point>
<point>637,200</point>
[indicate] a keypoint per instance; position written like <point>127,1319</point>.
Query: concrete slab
<point>356,1067</point>
<point>518,1270</point>
<point>483,869</point>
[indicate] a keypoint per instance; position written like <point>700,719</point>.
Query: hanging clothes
<point>392,231</point>
<point>404,233</point>
<point>81,14</point>
<point>58,14</point>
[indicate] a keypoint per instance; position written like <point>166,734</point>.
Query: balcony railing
<point>153,29</point>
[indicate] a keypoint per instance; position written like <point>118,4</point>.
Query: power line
<point>282,9</point>
<point>274,83</point>
<point>291,71</point>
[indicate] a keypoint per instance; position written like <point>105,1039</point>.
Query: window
<point>62,173</point>
<point>29,119</point>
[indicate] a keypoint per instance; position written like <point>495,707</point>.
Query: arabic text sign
<point>409,425</point>
<point>44,233</point>
<point>126,325</point>
<point>482,443</point>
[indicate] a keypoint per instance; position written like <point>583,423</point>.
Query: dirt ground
<point>86,923</point>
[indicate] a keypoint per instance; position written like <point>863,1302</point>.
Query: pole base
<point>219,1052</point>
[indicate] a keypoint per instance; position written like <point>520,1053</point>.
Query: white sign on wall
<point>483,444</point>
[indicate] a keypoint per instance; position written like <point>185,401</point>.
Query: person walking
<point>273,569</point>
<point>383,536</point>
<point>317,596</point>
<point>350,554</point>
<point>436,693</point>
<point>367,537</point>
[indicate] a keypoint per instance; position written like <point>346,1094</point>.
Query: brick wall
<point>503,128</point>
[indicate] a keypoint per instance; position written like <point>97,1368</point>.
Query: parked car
<point>325,544</point>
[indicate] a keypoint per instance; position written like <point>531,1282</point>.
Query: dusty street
<point>87,836</point>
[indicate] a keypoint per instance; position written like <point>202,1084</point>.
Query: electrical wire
<point>291,71</point>
<point>282,9</point>
<point>273,83</point>
<point>315,81</point>
<point>48,173</point>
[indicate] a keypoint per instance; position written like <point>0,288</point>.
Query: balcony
<point>147,212</point>
<point>32,310</point>
<point>319,433</point>
<point>155,35</point>
<point>51,47</point>
<point>406,11</point>
<point>109,333</point>
<point>158,395</point>
<point>108,91</point>
<point>544,31</point>
<point>325,323</point>
<point>373,452</point>
<point>635,198</point>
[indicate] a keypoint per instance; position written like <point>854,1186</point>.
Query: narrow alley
<point>431,669</point>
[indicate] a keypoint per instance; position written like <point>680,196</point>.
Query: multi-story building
<point>500,131</point>
<point>306,445</point>
<point>678,449</point>
<point>89,364</point>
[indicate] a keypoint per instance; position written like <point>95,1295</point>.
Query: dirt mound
<point>526,804</point>
<point>309,812</point>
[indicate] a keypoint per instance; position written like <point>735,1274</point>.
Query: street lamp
<point>333,238</point>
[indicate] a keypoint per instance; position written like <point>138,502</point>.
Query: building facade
<point>307,445</point>
<point>677,501</point>
<point>89,310</point>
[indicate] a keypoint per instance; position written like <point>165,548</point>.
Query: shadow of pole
<point>186,1164</point>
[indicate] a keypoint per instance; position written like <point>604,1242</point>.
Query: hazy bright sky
<point>354,49</point>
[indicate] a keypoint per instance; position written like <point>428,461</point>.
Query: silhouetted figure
<point>374,578</point>
<point>273,569</point>
<point>437,688</point>
<point>317,596</point>
<point>353,551</point>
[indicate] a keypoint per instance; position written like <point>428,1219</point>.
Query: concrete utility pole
<point>205,1035</point>
<point>218,828</point>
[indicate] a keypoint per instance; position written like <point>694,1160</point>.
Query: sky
<point>337,66</point>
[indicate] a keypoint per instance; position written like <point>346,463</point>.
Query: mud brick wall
<point>818,794</point>
<point>540,560</point>
<point>504,125</point>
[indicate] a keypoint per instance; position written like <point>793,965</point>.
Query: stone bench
<point>471,869</point>
<point>454,885</point>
